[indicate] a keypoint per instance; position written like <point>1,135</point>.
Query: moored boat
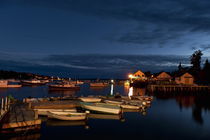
<point>113,102</point>
<point>6,84</point>
<point>102,107</point>
<point>130,107</point>
<point>71,117</point>
<point>44,112</point>
<point>32,82</point>
<point>67,113</point>
<point>64,86</point>
<point>90,99</point>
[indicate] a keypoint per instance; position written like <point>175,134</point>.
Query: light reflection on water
<point>170,116</point>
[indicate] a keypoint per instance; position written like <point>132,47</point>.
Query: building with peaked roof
<point>163,76</point>
<point>185,78</point>
<point>139,74</point>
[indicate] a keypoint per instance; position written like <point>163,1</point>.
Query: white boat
<point>44,112</point>
<point>64,86</point>
<point>102,107</point>
<point>90,99</point>
<point>75,117</point>
<point>129,107</point>
<point>113,102</point>
<point>67,113</point>
<point>32,82</point>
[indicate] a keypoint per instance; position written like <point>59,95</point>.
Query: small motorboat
<point>113,102</point>
<point>32,82</point>
<point>90,99</point>
<point>64,86</point>
<point>44,112</point>
<point>102,107</point>
<point>67,113</point>
<point>68,117</point>
<point>130,107</point>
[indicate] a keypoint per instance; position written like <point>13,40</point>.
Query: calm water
<point>170,117</point>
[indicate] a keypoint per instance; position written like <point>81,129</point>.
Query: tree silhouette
<point>196,61</point>
<point>180,66</point>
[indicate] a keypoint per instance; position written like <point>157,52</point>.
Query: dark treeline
<point>201,75</point>
<point>18,75</point>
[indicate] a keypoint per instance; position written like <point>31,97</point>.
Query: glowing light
<point>130,76</point>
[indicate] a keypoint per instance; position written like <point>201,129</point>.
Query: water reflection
<point>198,104</point>
<point>33,136</point>
<point>52,122</point>
<point>130,93</point>
<point>63,92</point>
<point>112,89</point>
<point>135,91</point>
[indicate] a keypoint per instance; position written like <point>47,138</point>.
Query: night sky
<point>101,38</point>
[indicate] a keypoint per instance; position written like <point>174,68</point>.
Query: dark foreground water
<point>170,117</point>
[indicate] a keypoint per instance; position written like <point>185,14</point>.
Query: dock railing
<point>5,106</point>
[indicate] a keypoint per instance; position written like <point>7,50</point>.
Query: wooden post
<point>29,105</point>
<point>5,105</point>
<point>8,102</point>
<point>2,103</point>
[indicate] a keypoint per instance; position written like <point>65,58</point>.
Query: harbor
<point>104,70</point>
<point>43,101</point>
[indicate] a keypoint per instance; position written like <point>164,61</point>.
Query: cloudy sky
<point>97,36</point>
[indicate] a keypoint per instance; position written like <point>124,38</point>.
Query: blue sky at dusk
<point>96,36</point>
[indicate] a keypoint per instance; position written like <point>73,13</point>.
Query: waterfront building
<point>163,76</point>
<point>185,78</point>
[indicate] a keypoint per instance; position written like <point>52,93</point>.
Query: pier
<point>19,117</point>
<point>178,88</point>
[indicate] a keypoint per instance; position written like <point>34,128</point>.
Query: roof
<point>139,73</point>
<point>164,75</point>
<point>184,74</point>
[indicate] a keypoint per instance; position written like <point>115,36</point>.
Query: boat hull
<point>44,112</point>
<point>10,86</point>
<point>31,84</point>
<point>67,118</point>
<point>102,108</point>
<point>63,88</point>
<point>90,100</point>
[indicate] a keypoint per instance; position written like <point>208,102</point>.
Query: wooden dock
<point>19,118</point>
<point>178,88</point>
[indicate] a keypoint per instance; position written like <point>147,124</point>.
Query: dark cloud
<point>93,66</point>
<point>156,22</point>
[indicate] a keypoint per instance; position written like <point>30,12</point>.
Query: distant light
<point>130,76</point>
<point>112,81</point>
